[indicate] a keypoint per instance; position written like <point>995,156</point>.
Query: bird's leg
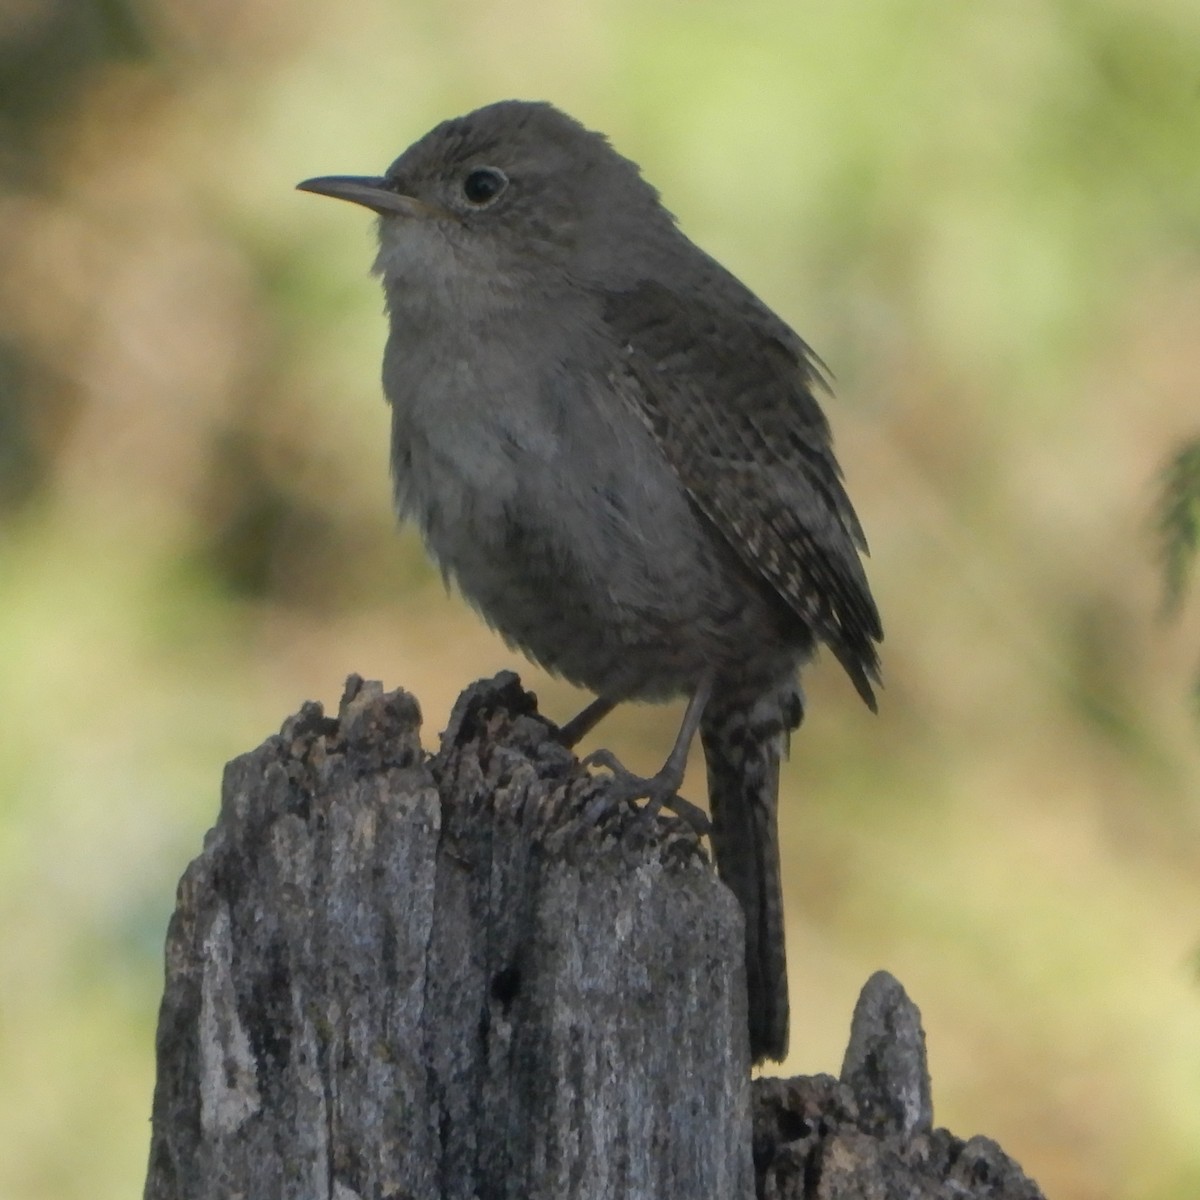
<point>579,726</point>
<point>662,789</point>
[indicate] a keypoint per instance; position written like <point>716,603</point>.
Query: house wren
<point>615,449</point>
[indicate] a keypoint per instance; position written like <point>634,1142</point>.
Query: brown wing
<point>730,400</point>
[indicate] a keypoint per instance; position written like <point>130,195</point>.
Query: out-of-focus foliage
<point>985,217</point>
<point>1179,529</point>
<point>1179,521</point>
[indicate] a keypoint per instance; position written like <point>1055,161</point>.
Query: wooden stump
<point>465,976</point>
<point>472,976</point>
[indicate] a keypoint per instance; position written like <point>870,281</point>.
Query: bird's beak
<point>371,191</point>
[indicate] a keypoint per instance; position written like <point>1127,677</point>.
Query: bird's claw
<point>658,792</point>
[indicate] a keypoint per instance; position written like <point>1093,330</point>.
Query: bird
<point>616,452</point>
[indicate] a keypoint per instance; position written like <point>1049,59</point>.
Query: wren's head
<point>511,195</point>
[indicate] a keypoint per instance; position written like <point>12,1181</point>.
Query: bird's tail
<point>745,737</point>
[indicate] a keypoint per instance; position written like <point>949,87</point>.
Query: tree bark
<point>472,975</point>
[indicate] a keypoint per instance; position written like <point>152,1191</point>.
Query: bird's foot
<point>658,791</point>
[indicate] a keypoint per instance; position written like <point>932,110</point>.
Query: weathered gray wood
<point>466,975</point>
<point>869,1135</point>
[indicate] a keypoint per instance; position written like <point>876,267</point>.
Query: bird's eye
<point>483,185</point>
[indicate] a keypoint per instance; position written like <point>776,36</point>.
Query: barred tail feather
<point>744,739</point>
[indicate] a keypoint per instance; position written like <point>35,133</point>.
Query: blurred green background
<point>985,217</point>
